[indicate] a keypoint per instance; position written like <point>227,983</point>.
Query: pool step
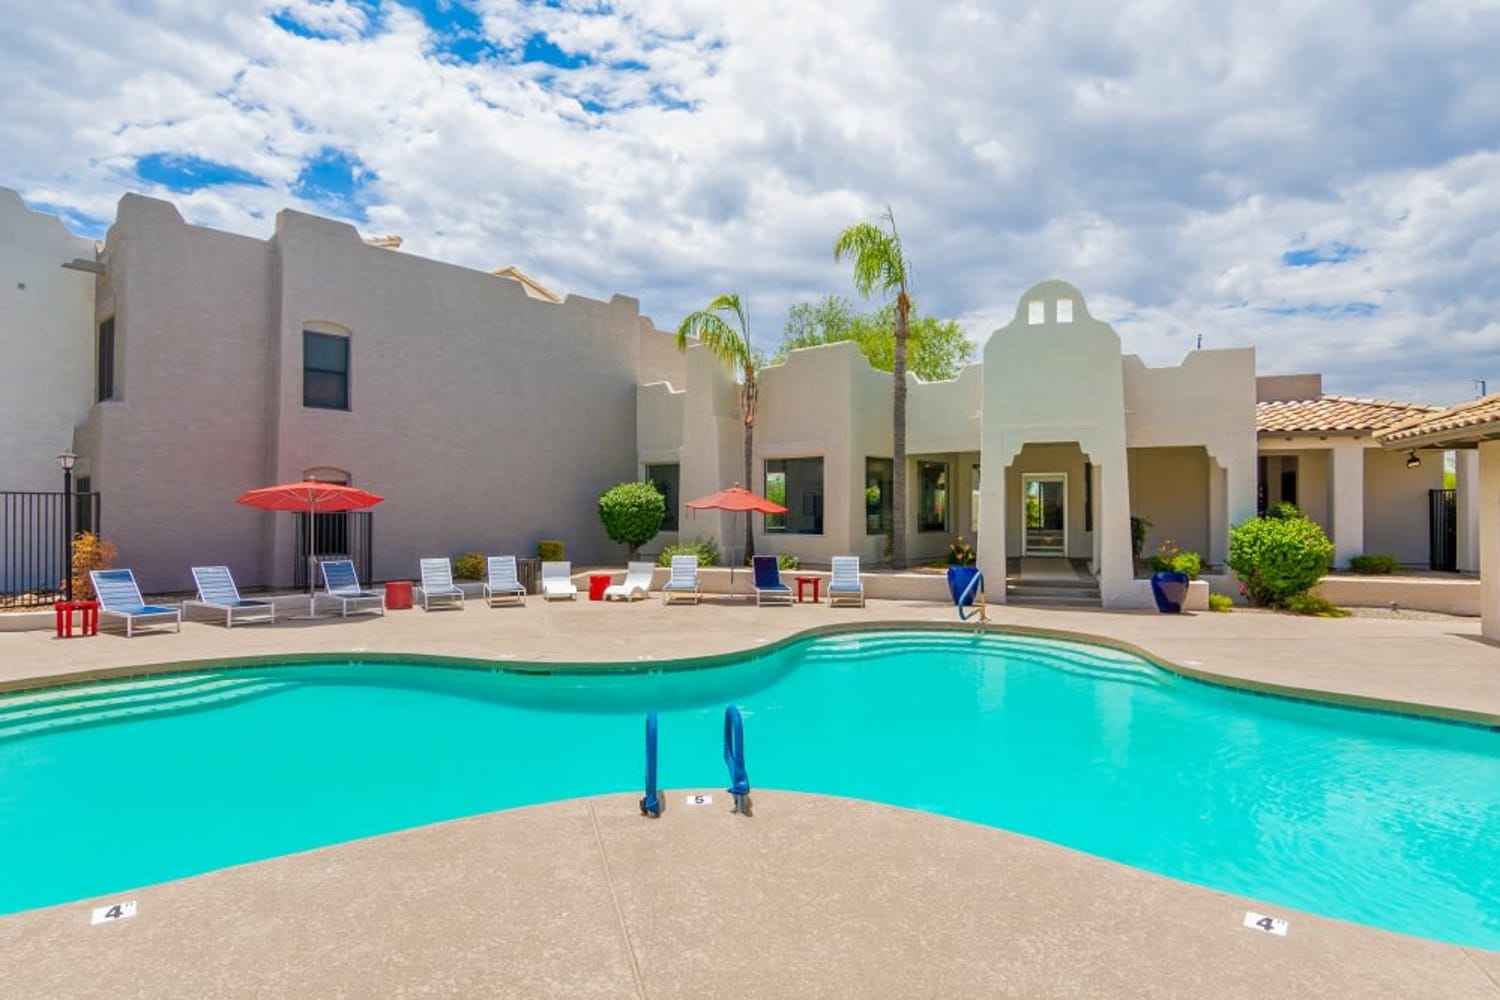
<point>69,708</point>
<point>1100,663</point>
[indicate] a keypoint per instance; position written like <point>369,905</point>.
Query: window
<point>932,496</point>
<point>1036,312</point>
<point>796,484</point>
<point>878,496</point>
<point>325,371</point>
<point>83,504</point>
<point>105,362</point>
<point>974,504</point>
<point>1065,310</point>
<point>1088,496</point>
<point>664,478</point>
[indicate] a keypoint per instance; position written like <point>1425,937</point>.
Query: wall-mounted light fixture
<point>1413,459</point>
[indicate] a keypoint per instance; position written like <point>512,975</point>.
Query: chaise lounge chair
<point>438,585</point>
<point>637,582</point>
<point>845,585</point>
<point>502,584</point>
<point>557,581</point>
<point>342,584</point>
<point>119,597</point>
<point>217,592</point>
<point>684,580</point>
<point>768,586</point>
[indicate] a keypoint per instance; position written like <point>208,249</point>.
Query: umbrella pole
<point>312,522</point>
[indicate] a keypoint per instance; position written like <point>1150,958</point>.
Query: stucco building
<point>186,365</point>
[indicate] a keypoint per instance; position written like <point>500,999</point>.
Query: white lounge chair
<point>119,597</point>
<point>557,581</point>
<point>844,584</point>
<point>341,583</point>
<point>217,592</point>
<point>637,582</point>
<point>684,580</point>
<point>503,585</point>
<point>438,586</point>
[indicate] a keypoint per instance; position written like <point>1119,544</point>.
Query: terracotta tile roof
<point>1335,413</point>
<point>1448,424</point>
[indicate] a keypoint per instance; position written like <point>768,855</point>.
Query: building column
<point>1112,519</point>
<point>1466,503</point>
<point>989,551</point>
<point>1348,502</point>
<point>1218,514</point>
<point>1489,537</point>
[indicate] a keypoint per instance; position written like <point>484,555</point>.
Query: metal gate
<point>34,543</point>
<point>1442,527</point>
<point>335,536</point>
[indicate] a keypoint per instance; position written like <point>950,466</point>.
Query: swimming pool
<point>1385,820</point>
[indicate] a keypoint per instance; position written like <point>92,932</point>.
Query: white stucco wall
<point>46,343</point>
<point>1170,488</point>
<point>1396,504</point>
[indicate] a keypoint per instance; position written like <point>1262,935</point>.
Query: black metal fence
<point>335,536</point>
<point>34,543</point>
<point>1442,517</point>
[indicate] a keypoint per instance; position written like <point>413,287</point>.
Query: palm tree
<point>881,265</point>
<point>732,347</point>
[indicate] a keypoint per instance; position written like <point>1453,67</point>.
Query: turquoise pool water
<point>1388,821</point>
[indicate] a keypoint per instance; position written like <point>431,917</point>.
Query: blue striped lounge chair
<point>503,585</point>
<point>341,583</point>
<point>683,583</point>
<point>844,584</point>
<point>557,581</point>
<point>637,582</point>
<point>119,597</point>
<point>438,586</point>
<point>768,586</point>
<point>217,592</point>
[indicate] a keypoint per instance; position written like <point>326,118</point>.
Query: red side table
<point>598,582</point>
<point>398,595</point>
<point>89,625</point>
<point>805,581</point>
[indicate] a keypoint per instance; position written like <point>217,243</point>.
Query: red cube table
<point>89,611</point>
<point>598,582</point>
<point>806,581</point>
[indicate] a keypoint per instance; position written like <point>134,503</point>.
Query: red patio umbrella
<point>310,498</point>
<point>737,500</point>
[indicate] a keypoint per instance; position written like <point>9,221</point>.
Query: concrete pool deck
<point>814,896</point>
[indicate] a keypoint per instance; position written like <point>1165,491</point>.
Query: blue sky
<point>1320,182</point>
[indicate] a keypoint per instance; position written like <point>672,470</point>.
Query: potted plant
<point>961,571</point>
<point>1172,570</point>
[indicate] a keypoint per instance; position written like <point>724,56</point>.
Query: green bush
<point>1376,565</point>
<point>788,561</point>
<point>632,513</point>
<point>1277,558</point>
<point>1169,560</point>
<point>551,550</point>
<point>1312,604</point>
<point>1138,528</point>
<point>469,566</point>
<point>1285,511</point>
<point>706,549</point>
<point>1220,602</point>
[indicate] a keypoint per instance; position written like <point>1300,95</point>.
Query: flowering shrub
<point>1278,557</point>
<point>960,553</point>
<point>89,552</point>
<point>1169,559</point>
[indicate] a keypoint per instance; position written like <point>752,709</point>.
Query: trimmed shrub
<point>1315,606</point>
<point>551,550</point>
<point>706,549</point>
<point>1284,511</point>
<point>469,566</point>
<point>632,513</point>
<point>788,561</point>
<point>1376,565</point>
<point>1277,558</point>
<point>1220,602</point>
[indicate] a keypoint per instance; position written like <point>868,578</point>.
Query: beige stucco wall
<point>1489,538</point>
<point>1396,504</point>
<point>46,343</point>
<point>1170,488</point>
<point>188,430</point>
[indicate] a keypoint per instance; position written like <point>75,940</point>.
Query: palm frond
<point>709,328</point>
<point>879,261</point>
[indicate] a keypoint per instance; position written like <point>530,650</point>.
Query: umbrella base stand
<point>312,612</point>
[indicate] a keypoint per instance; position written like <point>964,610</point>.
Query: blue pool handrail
<point>974,589</point>
<point>734,759</point>
<point>651,804</point>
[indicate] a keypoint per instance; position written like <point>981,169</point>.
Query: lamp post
<point>66,460</point>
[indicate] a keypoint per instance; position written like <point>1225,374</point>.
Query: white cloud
<point>1161,158</point>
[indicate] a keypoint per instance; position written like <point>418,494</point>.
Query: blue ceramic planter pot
<point>959,578</point>
<point>1170,591</point>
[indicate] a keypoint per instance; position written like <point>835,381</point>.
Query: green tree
<point>881,266</point>
<point>732,347</point>
<point>632,513</point>
<point>938,348</point>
